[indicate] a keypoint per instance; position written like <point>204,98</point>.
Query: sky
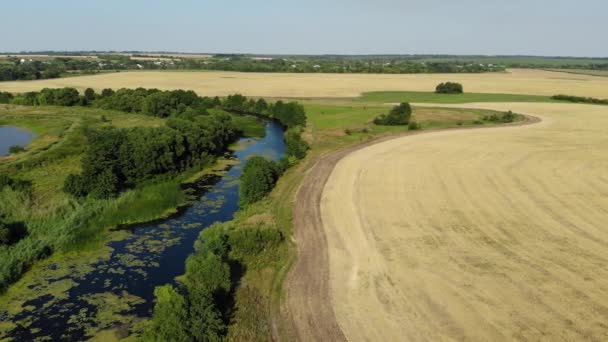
<point>464,27</point>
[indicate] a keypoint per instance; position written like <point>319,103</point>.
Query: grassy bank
<point>56,222</point>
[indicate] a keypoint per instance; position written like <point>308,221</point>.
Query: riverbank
<point>125,263</point>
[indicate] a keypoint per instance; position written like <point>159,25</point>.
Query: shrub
<point>399,115</point>
<point>249,242</point>
<point>294,144</point>
<point>5,97</point>
<point>74,185</point>
<point>580,99</point>
<point>16,149</point>
<point>505,117</point>
<point>449,88</point>
<point>413,125</point>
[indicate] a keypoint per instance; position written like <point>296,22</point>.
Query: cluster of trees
<point>201,309</point>
<point>34,70</point>
<point>580,99</point>
<point>49,97</point>
<point>449,88</point>
<point>155,102</point>
<point>289,114</point>
<point>118,159</point>
<point>398,116</point>
<point>162,104</point>
<point>506,117</point>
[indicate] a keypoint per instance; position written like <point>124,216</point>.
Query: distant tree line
<point>33,68</point>
<point>580,99</point>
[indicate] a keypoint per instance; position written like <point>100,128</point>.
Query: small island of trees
<point>449,88</point>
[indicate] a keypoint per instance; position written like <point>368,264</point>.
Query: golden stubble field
<point>517,81</point>
<point>486,235</point>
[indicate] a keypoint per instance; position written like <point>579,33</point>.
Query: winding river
<point>10,136</point>
<point>118,291</point>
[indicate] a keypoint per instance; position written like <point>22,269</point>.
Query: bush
<point>449,88</point>
<point>398,116</point>
<point>5,97</point>
<point>16,149</point>
<point>15,184</point>
<point>258,179</point>
<point>11,233</point>
<point>413,125</point>
<point>74,185</point>
<point>294,144</point>
<point>580,99</point>
<point>505,117</point>
<point>249,242</point>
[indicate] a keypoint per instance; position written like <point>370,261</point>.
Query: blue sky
<point>532,27</point>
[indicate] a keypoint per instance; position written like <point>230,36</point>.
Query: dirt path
<point>493,234</point>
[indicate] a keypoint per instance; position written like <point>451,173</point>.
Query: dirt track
<point>492,234</point>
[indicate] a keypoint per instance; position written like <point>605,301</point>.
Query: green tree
<point>258,179</point>
<point>399,115</point>
<point>449,88</point>
<point>171,317</point>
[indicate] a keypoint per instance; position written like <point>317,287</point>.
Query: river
<point>117,292</point>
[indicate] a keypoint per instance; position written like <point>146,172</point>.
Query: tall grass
<point>73,225</point>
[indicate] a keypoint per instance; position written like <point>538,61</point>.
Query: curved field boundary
<point>309,300</point>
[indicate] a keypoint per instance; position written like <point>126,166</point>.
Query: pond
<point>118,291</point>
<point>10,136</point>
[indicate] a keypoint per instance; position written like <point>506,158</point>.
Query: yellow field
<point>492,234</point>
<point>532,82</point>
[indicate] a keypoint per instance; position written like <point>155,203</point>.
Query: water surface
<point>10,136</point>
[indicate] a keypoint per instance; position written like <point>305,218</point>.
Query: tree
<point>399,115</point>
<point>449,88</point>
<point>205,321</point>
<point>107,93</point>
<point>294,145</point>
<point>89,96</point>
<point>258,179</point>
<point>170,319</point>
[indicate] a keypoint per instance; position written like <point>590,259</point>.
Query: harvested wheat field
<point>485,234</point>
<point>530,82</point>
